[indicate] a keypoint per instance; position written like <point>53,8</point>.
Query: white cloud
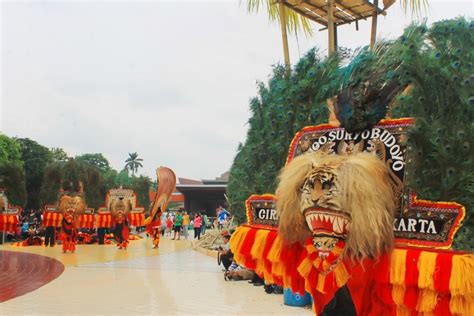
<point>169,80</point>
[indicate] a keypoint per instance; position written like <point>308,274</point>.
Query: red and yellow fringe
<point>409,281</point>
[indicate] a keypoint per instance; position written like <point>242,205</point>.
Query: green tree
<point>35,157</point>
<point>141,186</point>
<point>68,175</point>
<point>52,179</point>
<point>10,150</point>
<point>133,163</point>
<point>121,178</point>
<point>58,154</point>
<point>12,175</point>
<point>12,178</point>
<point>96,160</point>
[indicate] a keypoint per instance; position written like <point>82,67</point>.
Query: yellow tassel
<point>398,294</point>
<point>237,238</point>
<point>398,267</point>
<point>459,305</point>
<point>268,277</point>
<point>305,268</point>
<point>317,263</point>
<point>341,275</point>
<point>462,276</point>
<point>236,241</point>
<point>461,285</point>
<point>278,269</point>
<point>259,244</point>
<point>275,251</point>
<point>427,301</point>
<point>403,311</point>
<point>426,268</point>
<point>320,285</point>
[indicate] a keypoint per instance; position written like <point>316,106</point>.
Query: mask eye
<point>326,185</point>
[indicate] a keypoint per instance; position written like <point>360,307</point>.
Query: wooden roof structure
<point>344,11</point>
<point>331,14</point>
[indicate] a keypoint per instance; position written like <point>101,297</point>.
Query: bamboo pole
<point>284,36</point>
<point>331,44</point>
<point>373,31</point>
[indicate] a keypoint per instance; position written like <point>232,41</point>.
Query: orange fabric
<point>86,220</point>
<point>8,222</point>
<point>52,219</point>
<point>104,221</point>
<point>136,219</point>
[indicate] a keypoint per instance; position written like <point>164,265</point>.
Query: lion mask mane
<point>337,198</point>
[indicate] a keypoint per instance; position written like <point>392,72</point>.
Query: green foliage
<point>12,178</point>
<point>12,175</point>
<point>35,158</point>
<point>439,62</point>
<point>436,63</point>
<point>141,186</point>
<point>123,179</point>
<point>293,20</point>
<point>133,162</point>
<point>95,160</point>
<point>68,176</point>
<point>10,150</point>
<point>53,177</point>
<point>58,154</point>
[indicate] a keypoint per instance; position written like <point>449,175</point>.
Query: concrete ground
<point>174,280</point>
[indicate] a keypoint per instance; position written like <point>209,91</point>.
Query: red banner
<point>8,222</point>
<point>104,220</point>
<point>52,219</point>
<point>86,220</point>
<point>136,219</point>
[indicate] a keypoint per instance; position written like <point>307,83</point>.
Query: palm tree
<point>133,162</point>
<point>289,21</point>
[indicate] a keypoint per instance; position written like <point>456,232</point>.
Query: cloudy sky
<point>169,80</point>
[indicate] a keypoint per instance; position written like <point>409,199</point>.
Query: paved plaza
<point>174,280</point>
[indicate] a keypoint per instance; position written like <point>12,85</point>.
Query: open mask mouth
<point>327,223</point>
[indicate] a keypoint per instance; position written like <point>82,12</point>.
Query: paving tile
<point>178,282</point>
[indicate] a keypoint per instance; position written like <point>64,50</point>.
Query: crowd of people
<point>177,224</point>
<point>174,224</point>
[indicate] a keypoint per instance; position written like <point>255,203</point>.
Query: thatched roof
<point>345,11</point>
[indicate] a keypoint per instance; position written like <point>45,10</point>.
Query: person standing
<point>169,226</point>
<point>153,228</point>
<point>185,225</point>
<point>222,217</point>
<point>197,226</point>
<point>68,231</point>
<point>178,223</point>
<point>163,224</point>
<point>205,222</point>
<point>50,236</point>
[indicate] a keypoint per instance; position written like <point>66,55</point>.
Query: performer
<point>121,230</point>
<point>166,184</point>
<point>68,231</point>
<point>154,228</point>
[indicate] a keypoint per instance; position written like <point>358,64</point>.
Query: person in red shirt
<point>169,224</point>
<point>197,226</point>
